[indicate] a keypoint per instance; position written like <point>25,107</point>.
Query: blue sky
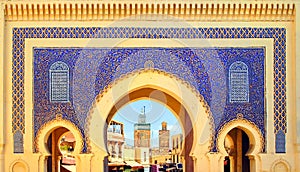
<point>156,113</point>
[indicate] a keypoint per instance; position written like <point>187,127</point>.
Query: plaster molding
<point>160,10</point>
<point>283,161</point>
<point>11,168</point>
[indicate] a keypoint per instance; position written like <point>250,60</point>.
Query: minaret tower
<point>164,137</point>
<point>142,138</point>
<point>142,116</point>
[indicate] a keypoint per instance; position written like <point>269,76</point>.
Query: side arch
<point>255,137</point>
<point>46,130</point>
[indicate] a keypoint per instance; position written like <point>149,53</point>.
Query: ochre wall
<point>203,160</point>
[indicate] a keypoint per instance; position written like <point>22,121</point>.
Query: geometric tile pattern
<point>278,35</point>
<point>93,69</point>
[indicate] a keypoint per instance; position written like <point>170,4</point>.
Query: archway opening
<point>237,145</point>
<point>145,131</point>
<point>174,105</point>
<point>61,143</point>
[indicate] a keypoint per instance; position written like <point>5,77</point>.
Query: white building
<point>115,140</point>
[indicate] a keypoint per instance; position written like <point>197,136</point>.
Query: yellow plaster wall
<point>264,161</point>
<point>2,113</point>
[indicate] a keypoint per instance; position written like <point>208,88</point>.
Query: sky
<point>156,113</point>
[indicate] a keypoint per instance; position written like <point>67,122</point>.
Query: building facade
<point>177,142</point>
<point>115,140</point>
<point>228,70</point>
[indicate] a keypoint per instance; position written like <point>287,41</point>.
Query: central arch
<point>189,106</point>
<point>173,104</point>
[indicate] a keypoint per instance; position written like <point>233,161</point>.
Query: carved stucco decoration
<point>280,161</point>
<point>19,164</point>
<point>191,10</point>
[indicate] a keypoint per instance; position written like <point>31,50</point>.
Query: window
<point>59,82</point>
<point>238,82</point>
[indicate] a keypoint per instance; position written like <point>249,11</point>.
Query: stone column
<point>2,123</point>
<point>252,163</point>
<point>231,159</point>
<point>43,163</point>
<point>58,163</point>
<point>239,151</point>
<point>296,47</point>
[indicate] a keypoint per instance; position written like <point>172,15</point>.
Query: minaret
<point>142,116</point>
<point>142,131</point>
<point>164,137</point>
<point>142,138</point>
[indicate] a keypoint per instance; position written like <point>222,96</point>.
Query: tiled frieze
<point>203,68</point>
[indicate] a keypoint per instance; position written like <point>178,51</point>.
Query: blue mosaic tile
<point>95,68</point>
<point>280,142</point>
<point>278,34</point>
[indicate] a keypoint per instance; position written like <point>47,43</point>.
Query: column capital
<point>216,161</point>
<point>86,156</point>
<point>83,162</point>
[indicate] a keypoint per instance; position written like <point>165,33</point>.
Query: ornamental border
<point>21,34</point>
